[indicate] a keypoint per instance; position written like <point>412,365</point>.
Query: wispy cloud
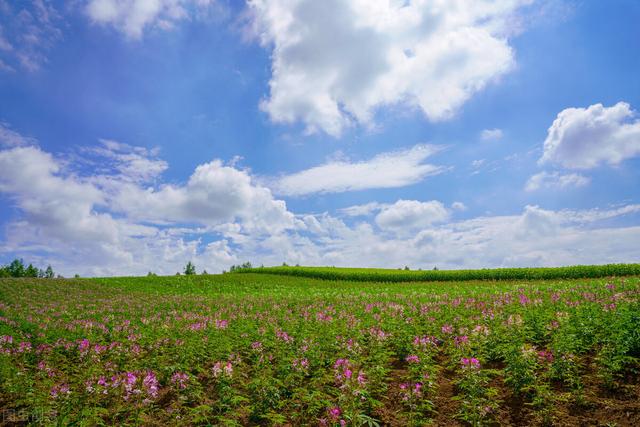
<point>134,17</point>
<point>555,180</point>
<point>386,170</point>
<point>29,29</point>
<point>491,134</point>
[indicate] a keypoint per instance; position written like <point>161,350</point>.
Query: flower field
<point>261,349</point>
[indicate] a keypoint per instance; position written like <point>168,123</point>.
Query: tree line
<point>17,269</point>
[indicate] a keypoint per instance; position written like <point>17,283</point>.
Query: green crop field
<point>387,275</point>
<point>267,349</point>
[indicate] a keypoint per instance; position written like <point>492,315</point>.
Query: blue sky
<point>137,135</point>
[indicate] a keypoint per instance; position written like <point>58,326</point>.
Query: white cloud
<point>134,17</point>
<point>29,29</point>
<point>584,138</point>
<point>336,62</point>
<point>106,223</point>
<point>386,170</point>
<point>135,164</point>
<point>458,206</point>
<point>491,134</point>
<point>408,215</point>
<point>362,210</point>
<point>555,180</point>
<point>214,194</point>
<point>11,138</point>
<point>57,206</point>
<point>534,237</point>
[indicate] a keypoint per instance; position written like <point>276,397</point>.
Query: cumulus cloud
<point>334,63</point>
<point>555,180</point>
<point>408,215</point>
<point>584,138</point>
<point>116,220</point>
<point>491,134</point>
<point>214,194</point>
<point>105,222</point>
<point>57,206</point>
<point>533,237</point>
<point>133,17</point>
<point>386,170</point>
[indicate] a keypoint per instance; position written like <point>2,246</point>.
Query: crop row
<point>389,275</point>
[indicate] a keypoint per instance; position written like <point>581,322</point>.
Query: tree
<point>240,267</point>
<point>204,272</point>
<point>189,269</point>
<point>48,273</point>
<point>406,267</point>
<point>31,271</point>
<point>16,268</point>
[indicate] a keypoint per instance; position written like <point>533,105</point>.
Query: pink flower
<point>283,336</point>
<point>222,324</point>
<point>58,390</point>
<point>472,363</point>
<point>131,378</point>
<point>228,369</point>
<point>84,345</point>
<point>447,329</point>
<point>425,341</point>
<point>362,380</point>
<point>412,359</point>
<point>217,369</point>
<point>461,340</point>
<point>24,347</point>
<point>545,356</point>
<point>524,300</point>
<point>334,413</point>
<point>340,362</point>
<point>180,379</point>
<point>300,364</point>
<point>150,383</point>
<point>197,326</point>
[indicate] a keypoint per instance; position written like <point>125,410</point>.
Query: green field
<point>266,349</point>
<point>400,275</point>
